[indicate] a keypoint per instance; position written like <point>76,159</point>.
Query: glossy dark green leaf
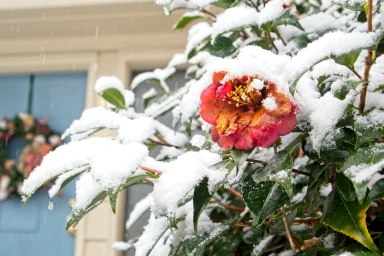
<point>185,20</point>
<point>344,88</point>
<point>115,97</point>
<point>277,225</point>
<point>307,252</point>
<point>345,187</point>
<point>377,191</point>
<point>368,128</point>
<point>334,155</point>
<point>347,218</point>
<point>352,5</point>
<point>225,245</point>
<point>239,156</point>
<point>287,18</point>
<point>263,43</point>
<point>263,198</point>
<point>225,3</point>
<point>348,59</point>
<point>222,47</point>
<point>201,198</point>
<point>360,168</point>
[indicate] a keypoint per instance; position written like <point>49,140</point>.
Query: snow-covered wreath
<point>40,140</point>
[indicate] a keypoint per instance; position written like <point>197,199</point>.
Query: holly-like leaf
<point>239,156</point>
<point>347,218</point>
<point>369,126</point>
<point>278,169</point>
<point>222,47</point>
<point>287,18</point>
<point>263,198</point>
<point>377,192</point>
<point>351,5</point>
<point>186,18</point>
<point>348,59</point>
<point>346,85</point>
<point>115,97</point>
<point>202,195</point>
<point>360,168</point>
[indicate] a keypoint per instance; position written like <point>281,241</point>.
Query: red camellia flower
<point>246,112</point>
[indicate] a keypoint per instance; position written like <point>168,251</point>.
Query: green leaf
<point>202,195</point>
<point>222,47</point>
<point>347,218</point>
<point>345,87</point>
<point>201,198</point>
<point>263,43</point>
<point>379,88</point>
<point>115,97</point>
<point>307,252</point>
<point>345,187</point>
<point>278,169</point>
<point>225,245</point>
<point>287,18</point>
<point>112,196</point>
<point>185,19</point>
<point>367,126</point>
<point>334,155</point>
<point>75,217</point>
<point>348,59</point>
<point>352,5</point>
<point>277,225</point>
<point>377,192</point>
<point>239,156</point>
<point>263,198</point>
<point>360,168</point>
<point>225,3</point>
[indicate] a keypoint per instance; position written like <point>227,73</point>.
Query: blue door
<point>34,230</point>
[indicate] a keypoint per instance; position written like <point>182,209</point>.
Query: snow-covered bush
<point>289,98</point>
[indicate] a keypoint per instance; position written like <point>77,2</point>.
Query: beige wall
<point>35,38</point>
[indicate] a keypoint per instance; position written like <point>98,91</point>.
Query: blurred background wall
<point>93,38</point>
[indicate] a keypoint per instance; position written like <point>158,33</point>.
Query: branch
<point>156,172</point>
<point>293,247</point>
<point>149,181</point>
<point>162,142</point>
<point>271,40</point>
<point>229,207</point>
<point>301,172</point>
<point>354,72</point>
<point>209,13</point>
<point>236,193</point>
<point>368,61</point>
<point>256,161</point>
<point>307,220</point>
<point>332,175</point>
<point>254,5</point>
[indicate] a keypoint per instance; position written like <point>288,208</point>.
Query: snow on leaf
<point>138,210</point>
<point>158,74</point>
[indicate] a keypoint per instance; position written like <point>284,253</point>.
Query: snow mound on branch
<point>140,208</point>
<point>86,190</point>
<point>111,168</point>
<point>180,176</point>
<point>107,82</point>
<point>243,15</point>
<point>325,47</point>
<point>159,74</point>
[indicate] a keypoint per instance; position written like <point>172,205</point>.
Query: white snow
<point>150,93</point>
<point>106,82</point>
<point>198,140</point>
<point>299,196</point>
<point>257,84</point>
<point>86,190</point>
<point>261,246</point>
<point>328,241</point>
<point>121,246</point>
<point>325,189</point>
<point>330,67</point>
<point>196,34</point>
<point>376,75</point>
<point>243,15</point>
<point>180,176</point>
<point>62,178</point>
<point>363,172</point>
<point>140,208</point>
<point>269,103</point>
<point>159,74</point>
<point>325,47</point>
<point>111,168</point>
<point>152,232</point>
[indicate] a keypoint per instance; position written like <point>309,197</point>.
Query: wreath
<point>40,139</point>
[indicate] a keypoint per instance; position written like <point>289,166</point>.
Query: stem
<point>332,175</point>
<point>271,40</point>
<point>236,193</point>
<point>149,181</point>
<point>293,247</point>
<point>229,207</point>
<point>151,170</point>
<point>301,172</point>
<point>354,72</point>
<point>296,141</point>
<point>368,62</point>
<point>279,36</point>
<point>163,142</point>
<point>208,12</point>
<point>256,161</point>
<point>244,225</point>
<point>254,5</point>
<point>307,220</point>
